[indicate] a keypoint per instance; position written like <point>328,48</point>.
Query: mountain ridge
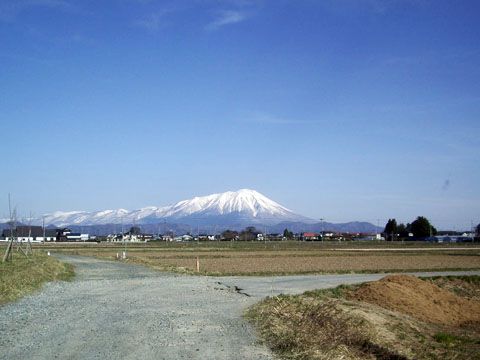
<point>244,205</point>
<point>228,210</point>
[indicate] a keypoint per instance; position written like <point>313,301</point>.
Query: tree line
<point>420,228</point>
<point>250,233</point>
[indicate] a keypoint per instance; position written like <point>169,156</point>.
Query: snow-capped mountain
<point>233,207</point>
<point>247,202</point>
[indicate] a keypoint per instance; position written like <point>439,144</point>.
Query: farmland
<point>277,258</point>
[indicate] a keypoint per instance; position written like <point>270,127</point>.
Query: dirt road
<point>122,311</point>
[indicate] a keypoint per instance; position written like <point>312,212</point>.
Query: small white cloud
<point>227,17</point>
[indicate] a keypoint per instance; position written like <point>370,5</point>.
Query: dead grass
<point>260,245</point>
<point>304,327</point>
<point>323,324</point>
<point>319,264</point>
<point>25,275</point>
<point>465,286</point>
<point>304,259</point>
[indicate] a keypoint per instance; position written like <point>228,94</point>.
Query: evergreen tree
<point>390,230</point>
<point>402,230</point>
<point>134,230</point>
<point>408,228</point>
<point>421,227</point>
<point>229,235</point>
<point>249,234</point>
<point>287,234</point>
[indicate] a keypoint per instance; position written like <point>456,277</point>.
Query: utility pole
<point>378,229</point>
<point>43,226</point>
<point>165,228</point>
<point>8,252</point>
<point>124,243</point>
<point>29,243</point>
<point>321,227</point>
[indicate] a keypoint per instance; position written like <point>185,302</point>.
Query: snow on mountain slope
<point>245,204</point>
<point>242,201</point>
<point>60,218</point>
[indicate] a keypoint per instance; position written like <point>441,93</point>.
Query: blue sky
<point>337,109</point>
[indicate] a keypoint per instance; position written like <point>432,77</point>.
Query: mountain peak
<point>244,205</point>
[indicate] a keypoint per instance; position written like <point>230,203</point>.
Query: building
<point>133,235</point>
<point>310,236</point>
<point>167,238</point>
<point>24,233</point>
<point>67,235</point>
<point>450,238</point>
<point>204,237</point>
<point>186,237</point>
<point>138,237</point>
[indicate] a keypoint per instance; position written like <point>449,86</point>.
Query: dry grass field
<point>287,258</point>
<point>398,317</point>
<point>24,275</point>
<point>286,264</point>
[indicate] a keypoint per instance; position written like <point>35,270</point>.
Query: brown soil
<point>419,299</point>
<point>305,264</point>
<point>302,257</point>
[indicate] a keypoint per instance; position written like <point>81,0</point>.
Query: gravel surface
<point>123,311</point>
<point>260,287</point>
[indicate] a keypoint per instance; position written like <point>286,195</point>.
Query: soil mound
<point>419,299</point>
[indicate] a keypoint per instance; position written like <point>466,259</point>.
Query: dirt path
<point>122,311</point>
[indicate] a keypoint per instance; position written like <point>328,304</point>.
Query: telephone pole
<point>321,227</point>
<point>8,252</point>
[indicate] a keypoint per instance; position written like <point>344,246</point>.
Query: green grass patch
<point>23,275</point>
<point>446,339</point>
<point>451,340</point>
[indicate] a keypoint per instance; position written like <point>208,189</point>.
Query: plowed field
<point>270,261</point>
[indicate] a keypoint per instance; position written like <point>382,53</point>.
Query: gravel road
<point>123,311</point>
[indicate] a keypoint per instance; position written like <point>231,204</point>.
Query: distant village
<point>39,234</point>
